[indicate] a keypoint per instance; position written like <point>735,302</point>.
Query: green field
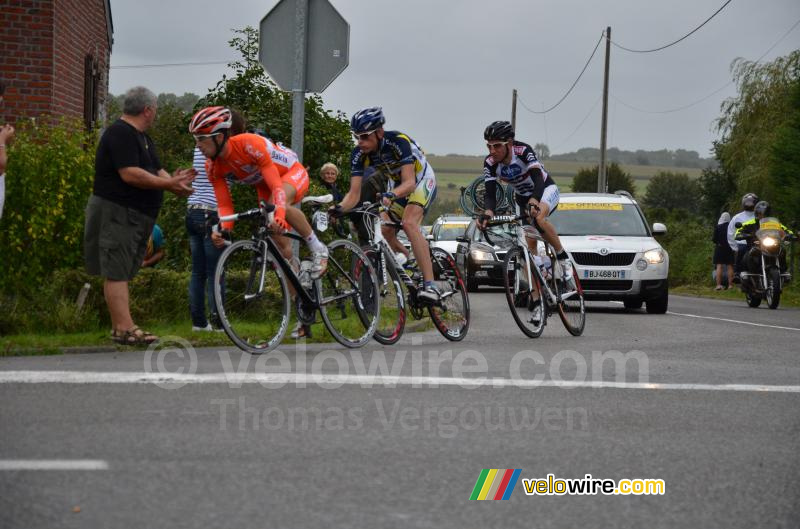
<point>461,170</point>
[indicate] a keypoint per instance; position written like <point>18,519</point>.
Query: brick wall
<point>43,49</point>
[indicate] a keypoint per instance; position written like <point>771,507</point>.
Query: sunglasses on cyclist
<point>362,135</point>
<point>201,137</point>
<point>495,145</point>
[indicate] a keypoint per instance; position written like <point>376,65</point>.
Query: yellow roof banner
<point>595,206</point>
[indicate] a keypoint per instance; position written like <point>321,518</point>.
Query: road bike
<point>534,286</point>
<point>398,286</point>
<point>254,285</point>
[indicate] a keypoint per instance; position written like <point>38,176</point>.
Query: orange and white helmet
<point>211,120</point>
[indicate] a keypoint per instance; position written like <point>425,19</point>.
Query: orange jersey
<point>254,160</point>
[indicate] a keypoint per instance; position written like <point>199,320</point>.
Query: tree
<point>750,121</point>
<point>717,192</point>
<point>784,164</point>
<point>673,191</point>
<point>585,181</point>
<point>542,151</point>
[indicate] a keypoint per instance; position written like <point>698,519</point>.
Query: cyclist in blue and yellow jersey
<point>410,185</point>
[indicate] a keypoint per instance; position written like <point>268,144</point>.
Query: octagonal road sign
<point>327,44</point>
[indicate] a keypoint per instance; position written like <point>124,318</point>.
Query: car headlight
<point>655,256</point>
<point>480,255</point>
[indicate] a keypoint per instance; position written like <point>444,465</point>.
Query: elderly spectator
<point>723,254</point>
<point>129,185</point>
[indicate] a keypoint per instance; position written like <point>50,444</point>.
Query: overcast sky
<point>442,70</point>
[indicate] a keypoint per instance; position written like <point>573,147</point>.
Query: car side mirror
<point>659,229</point>
<point>737,225</point>
<point>429,237</point>
<point>463,239</point>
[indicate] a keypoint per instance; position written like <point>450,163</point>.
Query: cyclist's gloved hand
<point>482,220</point>
<point>336,211</point>
<point>386,198</point>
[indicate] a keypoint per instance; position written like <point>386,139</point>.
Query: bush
<point>688,242</point>
<point>156,296</point>
<point>49,179</point>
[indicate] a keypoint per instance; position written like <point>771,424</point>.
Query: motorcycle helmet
<point>763,209</point>
<point>749,201</point>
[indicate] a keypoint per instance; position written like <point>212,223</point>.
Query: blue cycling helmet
<point>367,120</point>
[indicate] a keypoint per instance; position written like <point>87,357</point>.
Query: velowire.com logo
<point>495,484</point>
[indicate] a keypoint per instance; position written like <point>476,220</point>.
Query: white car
<point>446,230</point>
<point>613,249</point>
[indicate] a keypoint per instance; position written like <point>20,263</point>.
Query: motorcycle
<point>764,266</point>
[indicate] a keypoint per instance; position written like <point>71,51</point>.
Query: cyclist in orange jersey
<point>274,170</point>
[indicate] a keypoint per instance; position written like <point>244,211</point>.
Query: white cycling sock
<point>315,244</point>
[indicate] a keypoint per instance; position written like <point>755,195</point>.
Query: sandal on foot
<point>133,336</point>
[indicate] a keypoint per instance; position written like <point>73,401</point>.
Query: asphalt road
<point>705,398</point>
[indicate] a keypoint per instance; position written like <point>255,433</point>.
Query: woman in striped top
<point>201,212</point>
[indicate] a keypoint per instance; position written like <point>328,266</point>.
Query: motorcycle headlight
<point>655,256</point>
<point>769,242</point>
<point>480,255</point>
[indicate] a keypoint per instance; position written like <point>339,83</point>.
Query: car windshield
<point>499,232</point>
<point>621,220</point>
<point>449,231</point>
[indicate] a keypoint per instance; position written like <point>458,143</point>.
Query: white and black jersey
<point>524,173</point>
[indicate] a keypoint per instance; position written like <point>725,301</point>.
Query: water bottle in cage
<point>305,273</point>
<point>545,265</point>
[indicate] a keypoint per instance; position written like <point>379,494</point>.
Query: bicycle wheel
<point>571,307</point>
<point>348,294</point>
<point>451,317</point>
<point>466,202</point>
<point>392,319</point>
<point>531,317</point>
<point>252,297</point>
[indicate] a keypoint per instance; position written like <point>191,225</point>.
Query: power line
<point>591,110</point>
<point>165,65</point>
<point>684,107</point>
<point>677,41</point>
<point>570,88</point>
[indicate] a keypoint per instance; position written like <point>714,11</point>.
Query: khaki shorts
<point>115,239</point>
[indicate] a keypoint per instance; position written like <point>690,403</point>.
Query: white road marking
<point>53,464</point>
<point>332,380</point>
<point>726,319</point>
<point>735,321</point>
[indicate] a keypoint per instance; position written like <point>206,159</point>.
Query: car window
<point>499,232</point>
<point>621,220</point>
<point>448,231</point>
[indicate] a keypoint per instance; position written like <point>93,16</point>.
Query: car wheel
<point>472,285</point>
<point>631,304</point>
<point>658,304</point>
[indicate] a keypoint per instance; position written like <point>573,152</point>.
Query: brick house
<point>54,58</point>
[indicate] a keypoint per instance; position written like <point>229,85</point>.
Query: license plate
<point>604,274</point>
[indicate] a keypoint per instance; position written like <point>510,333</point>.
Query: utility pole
<point>514,109</point>
<point>602,180</point>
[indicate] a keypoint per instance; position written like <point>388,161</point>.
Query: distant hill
<point>590,156</point>
<point>662,158</point>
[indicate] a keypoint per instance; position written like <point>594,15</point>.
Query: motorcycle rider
<point>746,232</point>
<point>739,247</point>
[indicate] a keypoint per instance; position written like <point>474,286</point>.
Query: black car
<point>480,262</point>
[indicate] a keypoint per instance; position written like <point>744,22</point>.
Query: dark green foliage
<point>784,165</point>
<point>668,190</point>
<point>585,181</point>
<point>48,181</point>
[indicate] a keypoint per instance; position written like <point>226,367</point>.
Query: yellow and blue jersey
<point>394,151</point>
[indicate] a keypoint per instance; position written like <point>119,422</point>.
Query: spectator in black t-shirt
<point>129,184</point>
